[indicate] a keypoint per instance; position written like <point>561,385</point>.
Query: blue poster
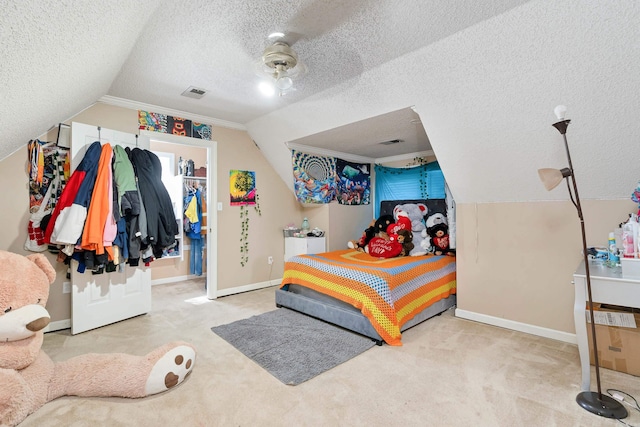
<point>354,183</point>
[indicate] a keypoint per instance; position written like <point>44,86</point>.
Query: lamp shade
<point>552,177</point>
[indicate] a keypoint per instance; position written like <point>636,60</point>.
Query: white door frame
<point>212,200</point>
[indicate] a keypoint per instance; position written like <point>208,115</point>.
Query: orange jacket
<point>100,209</point>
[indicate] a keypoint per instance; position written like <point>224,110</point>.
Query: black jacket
<point>161,221</point>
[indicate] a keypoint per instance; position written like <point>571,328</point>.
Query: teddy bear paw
<point>170,369</point>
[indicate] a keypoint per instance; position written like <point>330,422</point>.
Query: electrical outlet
<point>270,259</point>
<point>66,287</point>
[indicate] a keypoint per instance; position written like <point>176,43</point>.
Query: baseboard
<point>174,279</point>
<point>517,326</point>
<point>58,325</point>
<point>247,288</point>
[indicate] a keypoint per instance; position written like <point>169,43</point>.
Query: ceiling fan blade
<point>319,17</point>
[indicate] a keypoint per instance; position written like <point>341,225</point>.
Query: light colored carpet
<point>449,372</point>
<point>291,346</point>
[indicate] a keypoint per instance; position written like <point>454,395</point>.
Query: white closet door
<point>101,299</point>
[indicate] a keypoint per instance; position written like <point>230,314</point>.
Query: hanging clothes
<point>125,181</point>
<point>127,207</point>
<point>100,228</point>
<point>46,180</point>
<point>193,226</point>
<point>67,219</point>
<point>161,221</point>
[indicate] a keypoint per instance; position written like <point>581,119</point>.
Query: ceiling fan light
<point>284,82</point>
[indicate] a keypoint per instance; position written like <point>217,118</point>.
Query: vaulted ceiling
<point>482,78</point>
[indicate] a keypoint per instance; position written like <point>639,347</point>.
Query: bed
<point>376,297</point>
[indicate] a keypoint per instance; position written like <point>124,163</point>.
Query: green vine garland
<point>417,161</point>
<point>244,230</point>
<point>423,175</point>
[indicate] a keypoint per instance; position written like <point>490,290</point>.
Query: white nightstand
<point>303,245</point>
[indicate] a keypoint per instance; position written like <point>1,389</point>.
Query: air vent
<point>194,92</point>
<point>393,141</point>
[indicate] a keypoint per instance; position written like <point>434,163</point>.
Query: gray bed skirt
<point>340,313</point>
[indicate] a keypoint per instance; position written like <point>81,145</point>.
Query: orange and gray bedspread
<point>388,291</point>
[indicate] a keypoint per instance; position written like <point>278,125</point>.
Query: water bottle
<point>305,226</point>
<point>614,259</point>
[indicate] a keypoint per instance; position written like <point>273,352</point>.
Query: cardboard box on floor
<point>618,336</point>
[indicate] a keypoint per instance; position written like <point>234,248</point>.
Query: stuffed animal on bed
<point>440,239</point>
<point>381,247</point>
<point>402,223</point>
<point>367,235</point>
<point>377,227</point>
<point>432,220</point>
<point>382,223</point>
<point>415,212</point>
<point>405,238</point>
<point>29,378</point>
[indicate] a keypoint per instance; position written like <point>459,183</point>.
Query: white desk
<point>607,287</point>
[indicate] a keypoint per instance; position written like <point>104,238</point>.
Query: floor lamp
<point>594,402</point>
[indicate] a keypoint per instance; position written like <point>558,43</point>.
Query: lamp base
<point>602,405</point>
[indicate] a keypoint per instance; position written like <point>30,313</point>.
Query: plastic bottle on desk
<point>614,259</point>
<point>305,226</point>
<point>628,240</point>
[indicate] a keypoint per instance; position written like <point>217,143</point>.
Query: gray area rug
<point>291,346</point>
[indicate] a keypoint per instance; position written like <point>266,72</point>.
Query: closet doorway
<point>202,176</point>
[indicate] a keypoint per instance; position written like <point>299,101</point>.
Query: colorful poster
<point>179,126</point>
<point>354,183</point>
<point>153,122</point>
<point>202,131</point>
<point>163,123</point>
<point>315,177</point>
<point>242,187</point>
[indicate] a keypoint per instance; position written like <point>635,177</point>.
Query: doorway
<point>203,155</point>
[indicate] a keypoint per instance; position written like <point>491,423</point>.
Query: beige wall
<point>235,150</point>
<point>515,260</point>
<point>347,223</point>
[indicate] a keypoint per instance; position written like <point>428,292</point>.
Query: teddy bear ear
<point>43,263</point>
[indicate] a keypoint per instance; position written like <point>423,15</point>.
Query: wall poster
<point>242,187</point>
<point>163,123</point>
<point>354,183</point>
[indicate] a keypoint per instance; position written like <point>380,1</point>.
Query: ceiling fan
<point>280,63</point>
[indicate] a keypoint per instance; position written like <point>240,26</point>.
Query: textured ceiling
<point>483,77</point>
<point>215,44</point>
<point>376,138</point>
<point>60,57</point>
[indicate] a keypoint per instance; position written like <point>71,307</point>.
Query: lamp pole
<point>596,403</point>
